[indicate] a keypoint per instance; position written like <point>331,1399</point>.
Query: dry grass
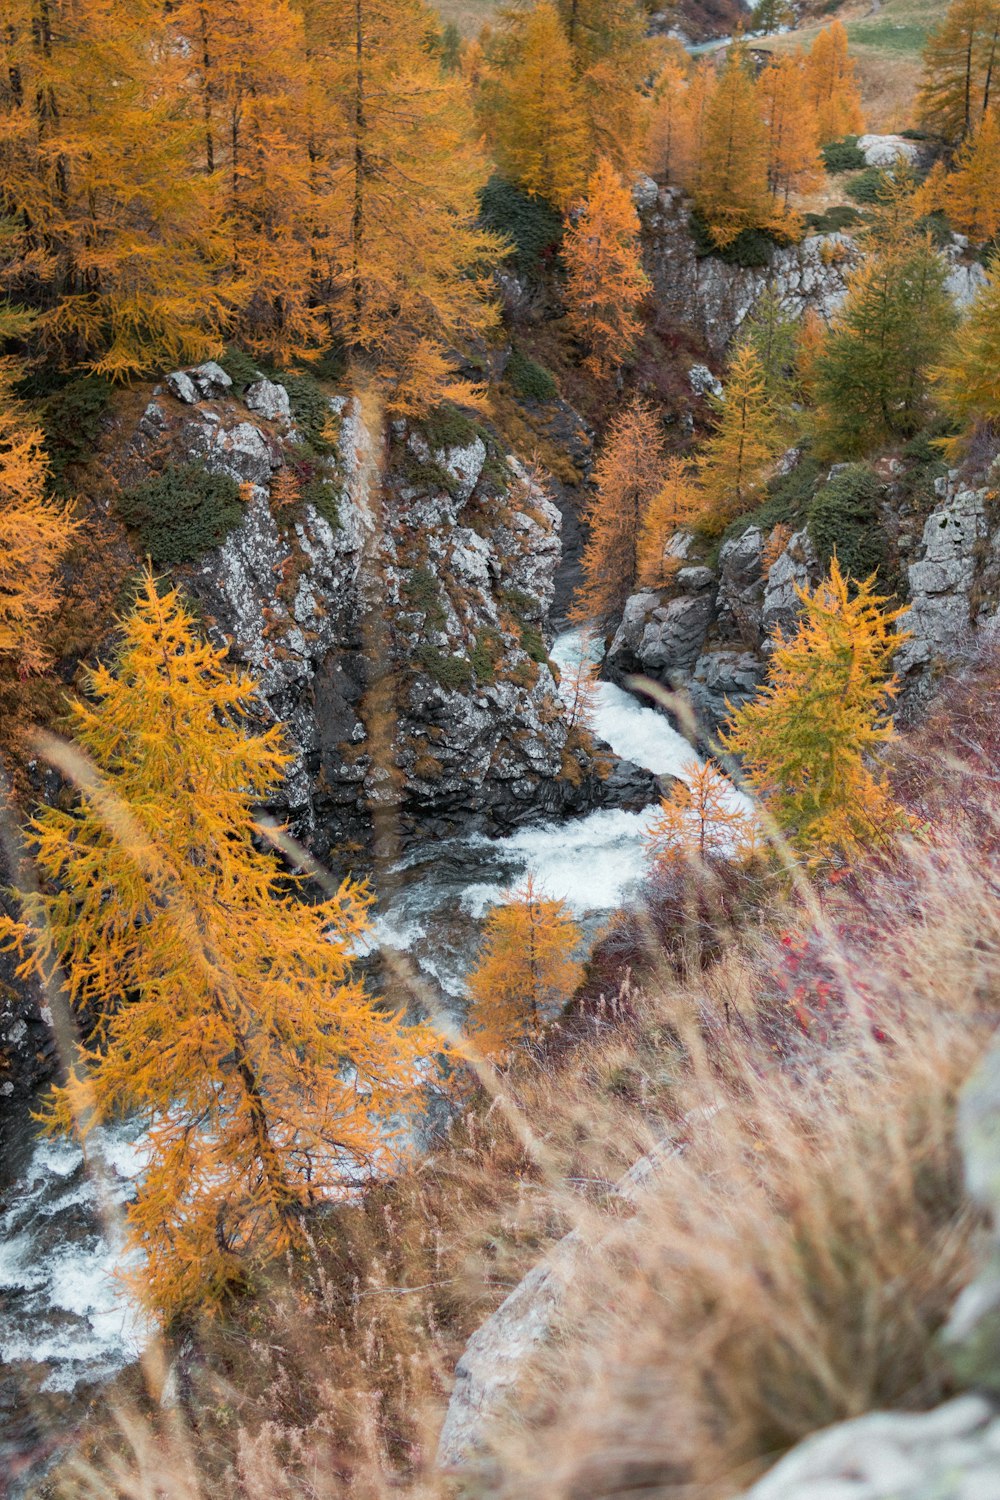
<point>470,16</point>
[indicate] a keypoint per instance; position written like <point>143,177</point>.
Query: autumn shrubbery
<point>181,513</point>
<point>794,1061</point>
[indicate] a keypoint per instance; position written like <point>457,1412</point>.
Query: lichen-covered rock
<point>401,640</point>
<point>497,1358</point>
<point>887,150</point>
<point>713,297</point>
<point>268,399</point>
<point>951,1453</point>
<point>940,617</point>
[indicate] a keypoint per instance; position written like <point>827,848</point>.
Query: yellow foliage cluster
<point>226,1017</point>
<point>742,144</point>
<point>526,970</point>
<point>176,175</point>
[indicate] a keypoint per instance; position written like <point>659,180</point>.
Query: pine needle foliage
<point>225,1017</point>
<point>526,970</point>
<point>809,740</point>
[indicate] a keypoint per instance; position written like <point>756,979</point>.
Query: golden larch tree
<point>627,477</point>
<point>703,818</point>
<point>734,460</point>
<point>397,164</point>
<point>971,193</point>
<point>960,68</point>
<point>667,148</point>
<point>249,82</point>
<point>111,228</point>
<point>605,282</point>
<point>611,56</point>
<point>832,86</point>
<point>228,1019</point>
<point>967,378</point>
<point>578,684</point>
<point>542,139</point>
<point>793,160</point>
<point>731,188</point>
<point>35,534</point>
<point>677,502</point>
<point>809,741</point>
<point>525,970</point>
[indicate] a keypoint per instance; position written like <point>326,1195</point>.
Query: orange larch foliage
<point>808,740</point>
<point>960,68</point>
<point>35,533</point>
<point>971,193</point>
<point>628,475</point>
<point>793,160</point>
<point>526,970</point>
<point>832,86</point>
<point>667,138</point>
<point>228,1019</point>
<point>605,282</point>
<point>578,685</point>
<point>675,505</point>
<point>250,85</point>
<point>731,185</point>
<point>104,215</point>
<point>396,164</point>
<point>702,818</point>
<point>541,133</point>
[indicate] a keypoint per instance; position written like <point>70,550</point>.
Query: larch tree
<point>773,335</point>
<point>605,282</point>
<point>397,165</point>
<point>731,189</point>
<point>832,89</point>
<point>541,137</point>
<point>611,56</point>
<point>967,377</point>
<point>228,1020</point>
<point>734,460</point>
<point>667,134</point>
<point>35,532</point>
<point>971,193</point>
<point>525,970</point>
<point>793,160</point>
<point>702,819</point>
<point>872,374</point>
<point>809,740</point>
<point>627,477</point>
<point>249,81</point>
<point>115,241</point>
<point>578,682</point>
<point>960,68</point>
<point>677,503</point>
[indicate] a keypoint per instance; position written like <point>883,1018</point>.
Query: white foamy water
<point>60,1302</point>
<point>60,1252</point>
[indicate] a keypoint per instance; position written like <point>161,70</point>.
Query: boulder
<point>887,150</point>
<point>269,400</point>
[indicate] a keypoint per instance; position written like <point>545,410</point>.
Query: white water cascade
<point>60,1306</point>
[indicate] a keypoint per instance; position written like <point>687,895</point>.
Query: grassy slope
<point>887,46</point>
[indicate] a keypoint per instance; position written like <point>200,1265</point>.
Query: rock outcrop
<point>713,297</point>
<point>396,618</point>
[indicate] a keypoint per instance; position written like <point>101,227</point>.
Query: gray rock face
<point>269,400</point>
<point>941,582</point>
<point>887,150</point>
<point>952,1453</point>
<point>709,634</point>
<point>496,1359</point>
<point>429,596</point>
<point>713,297</point>
<point>202,383</point>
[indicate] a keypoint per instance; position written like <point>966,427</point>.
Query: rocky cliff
<point>711,632</point>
